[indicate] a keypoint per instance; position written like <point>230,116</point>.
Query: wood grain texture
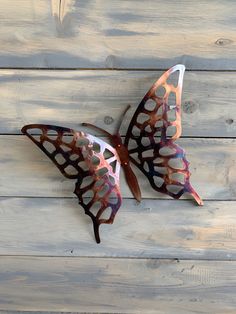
<point>71,97</point>
<point>117,34</point>
<point>159,256</point>
<point>151,229</point>
<point>27,171</point>
<point>117,285</point>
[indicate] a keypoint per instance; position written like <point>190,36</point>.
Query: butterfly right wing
<point>94,163</point>
<point>154,127</point>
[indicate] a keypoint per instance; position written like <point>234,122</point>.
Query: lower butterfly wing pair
<point>96,164</point>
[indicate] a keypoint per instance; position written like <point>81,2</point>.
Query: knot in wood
<point>190,106</point>
<point>223,41</point>
<point>108,120</point>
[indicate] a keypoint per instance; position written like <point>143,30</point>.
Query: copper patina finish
<point>96,165</point>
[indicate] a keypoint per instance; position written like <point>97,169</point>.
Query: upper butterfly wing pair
<point>149,144</point>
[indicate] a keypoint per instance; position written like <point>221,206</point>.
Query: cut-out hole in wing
<point>83,165</point>
<point>95,161</point>
<point>160,91</point>
<point>172,100</point>
<point>112,180</point>
<point>82,141</point>
<point>142,117</point>
<point>102,171</point>
<point>74,157</point>
<point>71,171</point>
<point>67,138</point>
<point>150,104</point>
<point>161,170</point>
<point>136,131</point>
<point>113,164</point>
<point>100,182</point>
<point>106,214</point>
<point>108,154</point>
<point>37,132</point>
<point>176,163</point>
<point>148,153</point>
<point>102,192</point>
<point>171,115</point>
<point>96,147</point>
<point>158,160</point>
<point>175,189</point>
<point>159,113</point>
<point>148,129</point>
<point>173,79</point>
<point>95,208</point>
<point>65,148</point>
<point>146,167</point>
<point>158,181</point>
<point>171,131</point>
<point>60,159</point>
<point>167,151</point>
<point>88,194</point>
<point>145,141</point>
<point>52,134</point>
<point>86,182</point>
<point>49,147</point>
<point>113,198</point>
<point>178,177</point>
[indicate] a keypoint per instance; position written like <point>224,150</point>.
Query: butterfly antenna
<point>98,129</point>
<point>122,118</point>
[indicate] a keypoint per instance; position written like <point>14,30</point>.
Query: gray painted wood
<point>71,97</point>
<point>151,229</point>
<point>167,256</point>
<point>117,285</point>
<point>117,34</point>
<point>47,312</point>
<point>27,171</point>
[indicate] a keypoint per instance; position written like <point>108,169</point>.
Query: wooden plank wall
<point>65,62</point>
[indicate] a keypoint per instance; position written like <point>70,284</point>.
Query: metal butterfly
<point>96,165</point>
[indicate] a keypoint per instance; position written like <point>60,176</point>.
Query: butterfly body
<point>130,177</point>
<point>147,145</point>
<point>120,148</point>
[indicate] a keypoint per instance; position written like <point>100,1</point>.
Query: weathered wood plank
<point>117,34</point>
<point>45,312</point>
<point>27,171</point>
<point>156,229</point>
<point>117,285</point>
<point>71,97</point>
<point>49,312</point>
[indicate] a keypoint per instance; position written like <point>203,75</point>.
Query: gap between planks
<point>107,140</point>
<point>161,259</point>
<point>113,69</point>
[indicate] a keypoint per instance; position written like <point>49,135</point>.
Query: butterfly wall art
<point>147,145</point>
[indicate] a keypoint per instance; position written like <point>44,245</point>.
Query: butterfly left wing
<point>152,131</point>
<point>94,163</point>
